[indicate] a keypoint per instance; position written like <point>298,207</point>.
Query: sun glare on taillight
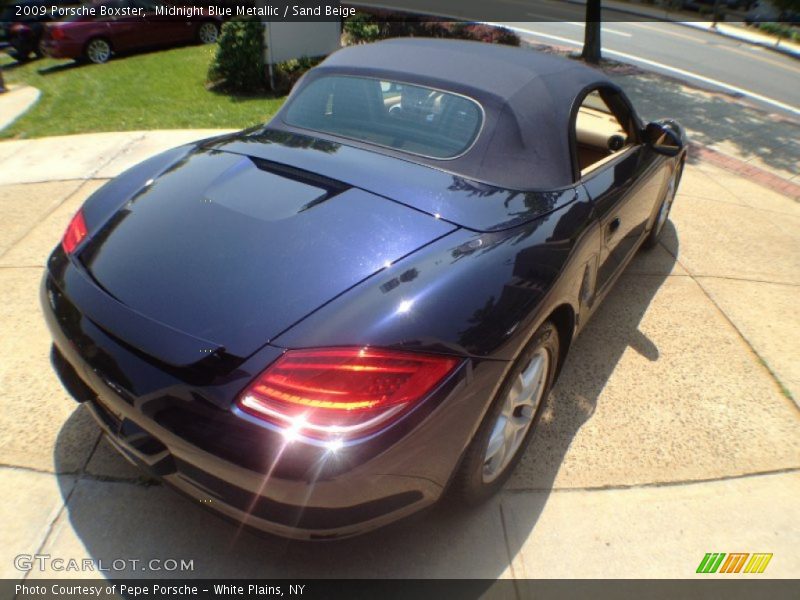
<point>338,393</point>
<point>76,231</point>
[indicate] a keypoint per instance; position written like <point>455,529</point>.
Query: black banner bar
<point>716,587</point>
<point>455,10</point>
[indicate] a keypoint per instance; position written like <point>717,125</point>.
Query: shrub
<point>238,64</point>
<point>364,27</point>
<point>491,35</point>
<point>287,73</point>
<point>361,27</point>
<point>778,29</point>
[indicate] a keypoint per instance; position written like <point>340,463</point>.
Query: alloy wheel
<point>208,33</point>
<point>516,416</point>
<point>98,51</point>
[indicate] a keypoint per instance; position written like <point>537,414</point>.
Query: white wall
<point>285,40</point>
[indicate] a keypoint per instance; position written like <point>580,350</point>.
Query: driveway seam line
<point>52,525</point>
<point>65,180</point>
<point>36,470</point>
<point>507,544</point>
<point>739,203</point>
<point>729,278</point>
<point>54,207</point>
<point>22,266</point>
<point>782,389</point>
<point>656,484</point>
<point>122,151</point>
<point>78,478</point>
<point>677,260</point>
<point>78,474</point>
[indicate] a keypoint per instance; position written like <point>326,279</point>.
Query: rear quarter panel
<point>471,293</point>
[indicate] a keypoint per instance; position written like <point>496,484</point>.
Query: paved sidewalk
<point>727,126</point>
<point>751,35</point>
<point>671,433</point>
<point>15,102</point>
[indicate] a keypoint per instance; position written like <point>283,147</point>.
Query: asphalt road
<point>768,79</point>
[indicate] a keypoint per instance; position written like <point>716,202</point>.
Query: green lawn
<point>158,90</point>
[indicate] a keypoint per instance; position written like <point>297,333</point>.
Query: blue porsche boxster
<point>325,323</point>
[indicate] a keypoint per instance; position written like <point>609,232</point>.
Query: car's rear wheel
<point>208,33</point>
<point>20,55</point>
<point>97,51</point>
<point>510,422</point>
<point>663,210</point>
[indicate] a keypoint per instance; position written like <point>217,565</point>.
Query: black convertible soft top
<point>527,97</point>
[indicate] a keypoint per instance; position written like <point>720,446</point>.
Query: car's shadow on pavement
<point>112,513</point>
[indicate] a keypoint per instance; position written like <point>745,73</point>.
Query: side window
<point>599,133</point>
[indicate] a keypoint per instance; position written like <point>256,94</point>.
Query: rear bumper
<point>62,49</point>
<point>255,510</point>
<point>174,431</point>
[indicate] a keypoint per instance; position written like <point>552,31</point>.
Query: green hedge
<point>364,27</point>
<point>238,64</point>
<point>782,30</point>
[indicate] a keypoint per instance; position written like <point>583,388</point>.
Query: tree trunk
<point>269,75</point>
<point>716,14</point>
<point>591,36</point>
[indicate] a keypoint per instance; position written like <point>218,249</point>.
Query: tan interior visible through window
<point>598,134</point>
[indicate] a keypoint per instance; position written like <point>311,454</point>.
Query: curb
<point>651,17</point>
<point>744,169</point>
<point>15,102</point>
<point>779,49</point>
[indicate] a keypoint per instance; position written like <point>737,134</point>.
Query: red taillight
<point>76,231</point>
<point>337,393</point>
<point>57,33</point>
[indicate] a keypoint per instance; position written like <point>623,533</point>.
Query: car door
<point>620,174</point>
<point>123,31</point>
<point>166,30</point>
<point>154,30</point>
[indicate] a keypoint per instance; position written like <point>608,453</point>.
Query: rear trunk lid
<point>234,249</point>
<point>480,206</point>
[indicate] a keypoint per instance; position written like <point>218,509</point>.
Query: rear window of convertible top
<point>410,118</point>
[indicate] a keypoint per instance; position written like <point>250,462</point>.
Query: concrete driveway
<point>672,432</point>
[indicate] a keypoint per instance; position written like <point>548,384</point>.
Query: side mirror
<point>663,138</point>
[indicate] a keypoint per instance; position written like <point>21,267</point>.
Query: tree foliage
<point>787,6</point>
<point>238,64</point>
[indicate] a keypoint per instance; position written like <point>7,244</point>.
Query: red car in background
<point>97,38</point>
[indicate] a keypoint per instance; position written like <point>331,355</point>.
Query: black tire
<point>98,51</point>
<point>19,55</point>
<point>208,32</point>
<point>469,484</point>
<point>651,241</point>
